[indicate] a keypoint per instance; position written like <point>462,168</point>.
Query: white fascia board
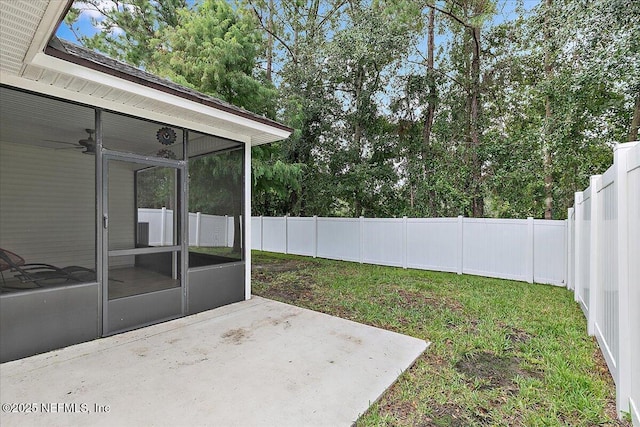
<point>75,70</point>
<point>58,92</point>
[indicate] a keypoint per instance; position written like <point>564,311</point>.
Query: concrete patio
<point>254,363</point>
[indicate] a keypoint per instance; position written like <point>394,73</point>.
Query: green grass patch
<point>503,353</point>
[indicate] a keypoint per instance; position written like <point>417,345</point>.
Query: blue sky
<point>506,11</point>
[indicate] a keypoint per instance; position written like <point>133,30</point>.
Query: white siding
<point>47,204</point>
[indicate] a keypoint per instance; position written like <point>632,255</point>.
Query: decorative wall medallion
<point>166,136</point>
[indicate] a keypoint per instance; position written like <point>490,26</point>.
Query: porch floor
<point>254,363</point>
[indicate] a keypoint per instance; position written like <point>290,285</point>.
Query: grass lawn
<point>503,352</point>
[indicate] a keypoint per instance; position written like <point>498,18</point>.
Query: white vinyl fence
<point>204,230</point>
<point>604,269</point>
<point>527,250</point>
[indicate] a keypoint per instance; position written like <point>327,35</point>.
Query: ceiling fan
<point>86,144</point>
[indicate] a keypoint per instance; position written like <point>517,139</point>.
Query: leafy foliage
<point>130,30</point>
<point>214,49</point>
<point>503,120</point>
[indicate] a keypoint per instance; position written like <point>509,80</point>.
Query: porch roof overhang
<point>29,61</point>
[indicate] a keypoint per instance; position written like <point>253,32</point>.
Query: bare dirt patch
<point>290,291</point>
<point>285,281</point>
<point>491,370</point>
<point>445,415</point>
<point>280,267</point>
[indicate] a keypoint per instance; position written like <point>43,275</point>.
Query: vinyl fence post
<point>198,229</point>
<point>261,231</point>
<point>625,337</point>
<point>315,236</point>
<point>594,285</point>
<point>163,225</point>
<point>286,234</point>
<point>460,244</point>
<point>570,248</point>
<point>579,263</point>
<point>530,250</point>
<point>361,222</point>
<point>226,231</point>
<point>404,242</point>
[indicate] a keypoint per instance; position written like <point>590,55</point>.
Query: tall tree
<point>470,16</point>
<point>130,30</point>
<point>300,32</point>
<point>360,60</point>
<point>548,116</point>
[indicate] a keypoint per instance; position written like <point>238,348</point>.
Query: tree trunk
<point>431,104</point>
<point>427,152</point>
<point>635,121</point>
<point>476,175</point>
<point>270,42</point>
<point>548,117</point>
<point>430,114</point>
<point>357,136</point>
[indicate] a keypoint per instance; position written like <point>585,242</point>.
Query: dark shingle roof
<point>67,51</point>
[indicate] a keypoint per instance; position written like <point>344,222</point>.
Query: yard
<point>502,353</point>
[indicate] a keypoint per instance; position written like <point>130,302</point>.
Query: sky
<point>506,11</point>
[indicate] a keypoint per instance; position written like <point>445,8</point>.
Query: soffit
<point>19,22</point>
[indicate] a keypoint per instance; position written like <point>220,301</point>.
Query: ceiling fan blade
<point>77,147</point>
<point>59,142</point>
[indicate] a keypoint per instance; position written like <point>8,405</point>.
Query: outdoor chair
<point>40,275</point>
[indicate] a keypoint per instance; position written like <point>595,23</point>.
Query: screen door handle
<point>105,221</point>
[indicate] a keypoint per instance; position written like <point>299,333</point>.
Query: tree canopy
<point>419,108</point>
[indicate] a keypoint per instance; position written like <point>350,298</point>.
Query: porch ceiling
<point>25,29</point>
<point>47,123</point>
